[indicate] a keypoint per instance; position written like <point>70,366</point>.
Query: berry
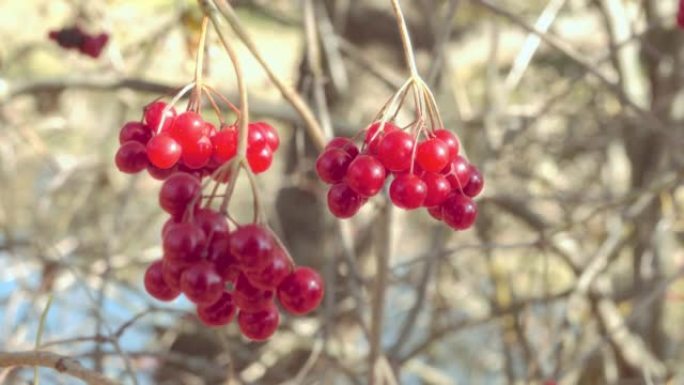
<point>475,183</point>
<point>343,202</point>
<point>249,297</point>
<point>373,137</point>
<point>131,157</point>
<point>178,191</point>
<point>450,140</point>
<point>153,116</point>
<point>187,128</point>
<point>225,144</point>
<point>72,37</point>
<point>259,158</point>
<point>93,45</point>
<point>365,175</point>
<point>438,189</point>
<point>219,313</point>
<point>261,325</point>
<point>212,223</point>
<point>459,211</point>
<point>135,131</point>
<point>275,272</point>
<point>459,173</point>
<point>160,173</point>
<point>172,271</point>
<point>270,135</point>
<point>219,254</point>
<point>252,246</point>
<point>155,284</point>
<point>302,291</point>
<point>344,143</point>
<point>183,243</point>
<point>208,130</point>
<point>436,212</point>
<point>163,151</point>
<point>202,284</point>
<point>255,136</point>
<point>197,154</point>
<point>332,164</point>
<point>432,155</point>
<point>395,150</point>
<point>408,191</point>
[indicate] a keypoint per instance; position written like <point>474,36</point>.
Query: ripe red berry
<point>202,284</point>
<point>160,173</point>
<point>459,211</point>
<point>225,144</point>
<point>365,175</point>
<point>395,150</point>
<point>459,173</point>
<point>249,297</point>
<point>275,272</point>
<point>208,130</point>
<point>218,253</point>
<point>343,202</point>
<point>153,116</point>
<point>131,157</point>
<point>259,158</point>
<point>261,325</point>
<point>252,246</point>
<point>178,191</point>
<point>438,189</point>
<point>172,272</point>
<point>408,191</point>
<point>450,140</point>
<point>163,151</point>
<point>432,155</point>
<point>344,143</point>
<point>373,136</point>
<point>255,136</point>
<point>302,291</point>
<point>93,45</point>
<point>212,223</point>
<point>197,154</point>
<point>475,183</point>
<point>155,284</point>
<point>134,131</point>
<point>332,164</point>
<point>187,128</point>
<point>270,135</point>
<point>184,243</point>
<point>219,313</point>
<point>436,212</point>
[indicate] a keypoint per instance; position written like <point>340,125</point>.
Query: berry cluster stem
<point>405,39</point>
<point>199,63</point>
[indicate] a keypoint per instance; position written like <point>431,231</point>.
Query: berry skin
<point>459,173</point>
<point>183,243</point>
<point>450,140</point>
<point>250,298</point>
<point>475,183</point>
<point>93,45</point>
<point>373,137</point>
<point>131,157</point>
<point>163,151</point>
<point>187,128</point>
<point>343,202</point>
<point>344,143</point>
<point>459,211</point>
<point>365,175</point>
<point>225,144</point>
<point>408,191</point>
<point>155,284</point>
<point>197,154</point>
<point>259,158</point>
<point>270,135</point>
<point>134,131</point>
<point>438,189</point>
<point>255,136</point>
<point>436,212</point>
<point>159,173</point>
<point>432,155</point>
<point>252,246</point>
<point>153,116</point>
<point>218,253</point>
<point>212,223</point>
<point>395,150</point>
<point>177,192</point>
<point>274,273</point>
<point>202,284</point>
<point>68,37</point>
<point>172,273</point>
<point>219,313</point>
<point>302,291</point>
<point>332,164</point>
<point>261,325</point>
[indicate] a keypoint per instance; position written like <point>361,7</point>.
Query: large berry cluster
<point>428,173</point>
<point>166,142</point>
<point>75,38</point>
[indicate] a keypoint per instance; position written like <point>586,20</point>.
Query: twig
<point>54,361</point>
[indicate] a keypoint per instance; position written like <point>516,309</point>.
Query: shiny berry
<point>432,155</point>
<point>395,150</point>
<point>163,151</point>
<point>438,189</point>
<point>365,175</point>
<point>187,128</point>
<point>261,325</point>
<point>343,202</point>
<point>451,141</point>
<point>184,243</point>
<point>131,157</point>
<point>212,223</point>
<point>459,211</point>
<point>344,143</point>
<point>155,284</point>
<point>408,191</point>
<point>218,253</point>
<point>249,297</point>
<point>219,313</point>
<point>197,154</point>
<point>373,136</point>
<point>332,164</point>
<point>153,116</point>
<point>436,212</point>
<point>172,272</point>
<point>259,159</point>
<point>178,191</point>
<point>275,272</point>
<point>252,246</point>
<point>270,135</point>
<point>302,291</point>
<point>135,131</point>
<point>475,183</point>
<point>160,173</point>
<point>202,284</point>
<point>255,136</point>
<point>459,173</point>
<point>225,144</point>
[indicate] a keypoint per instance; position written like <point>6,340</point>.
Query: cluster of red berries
<point>166,142</point>
<point>75,38</point>
<point>680,14</point>
<point>429,174</point>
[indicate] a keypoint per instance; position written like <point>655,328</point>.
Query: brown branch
<point>62,364</point>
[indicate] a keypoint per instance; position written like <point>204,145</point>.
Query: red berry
<point>160,173</point>
<point>155,284</point>
<point>432,155</point>
<point>219,254</point>
<point>259,159</point>
<point>249,297</point>
<point>131,157</point>
<point>225,144</point>
<point>252,246</point>
<point>475,183</point>
<point>197,154</point>
<point>93,45</point>
<point>450,140</point>
<point>68,37</point>
<point>187,128</point>
<point>212,223</point>
<point>436,212</point>
<point>302,291</point>
<point>459,211</point>
<point>172,272</point>
<point>438,189</point>
<point>184,243</point>
<point>153,116</point>
<point>208,130</point>
<point>332,164</point>
<point>344,143</point>
<point>255,136</point>
<point>270,135</point>
<point>261,325</point>
<point>219,313</point>
<point>373,137</point>
<point>167,225</point>
<point>459,173</point>
<point>202,284</point>
<point>135,131</point>
<point>365,175</point>
<point>178,191</point>
<point>275,272</point>
<point>163,151</point>
<point>395,150</point>
<point>408,191</point>
<point>343,202</point>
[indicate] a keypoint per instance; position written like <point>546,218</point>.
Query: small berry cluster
<point>428,173</point>
<point>75,38</point>
<point>166,142</point>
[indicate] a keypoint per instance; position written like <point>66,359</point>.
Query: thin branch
<point>54,361</point>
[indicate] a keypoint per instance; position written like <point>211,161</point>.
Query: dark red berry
<point>475,183</point>
<point>187,128</point>
<point>343,202</point>
<point>219,313</point>
<point>259,159</point>
<point>93,45</point>
<point>344,143</point>
<point>202,284</point>
<point>184,243</point>
<point>131,157</point>
<point>438,189</point>
<point>459,211</point>
<point>432,155</point>
<point>172,272</point>
<point>160,173</point>
<point>163,151</point>
<point>332,164</point>
<point>261,325</point>
<point>302,291</point>
<point>395,150</point>
<point>155,284</point>
<point>225,144</point>
<point>212,223</point>
<point>249,297</point>
<point>135,131</point>
<point>275,272</point>
<point>153,116</point>
<point>178,191</point>
<point>365,175</point>
<point>436,212</point>
<point>72,37</point>
<point>197,154</point>
<point>408,191</point>
<point>252,246</point>
<point>459,173</point>
<point>219,254</point>
<point>451,141</point>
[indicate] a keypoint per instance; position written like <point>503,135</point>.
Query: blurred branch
<point>54,361</point>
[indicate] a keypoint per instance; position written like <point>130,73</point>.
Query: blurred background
<point>572,274</point>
